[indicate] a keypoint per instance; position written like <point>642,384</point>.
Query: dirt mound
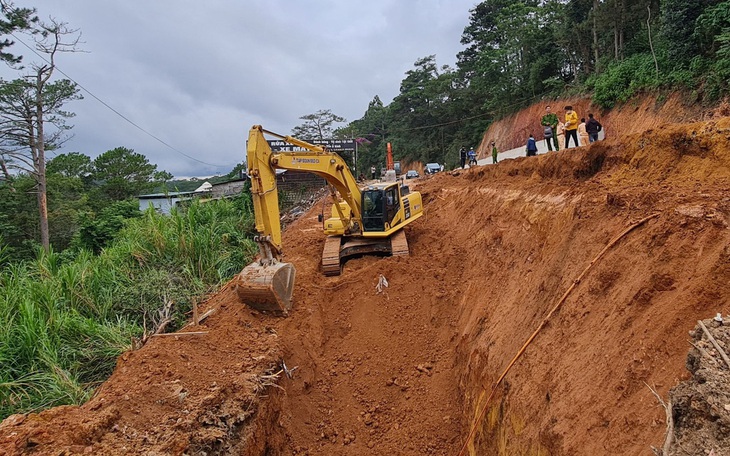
<point>179,394</point>
<point>407,370</point>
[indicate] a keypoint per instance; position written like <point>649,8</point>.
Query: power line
<point>114,110</point>
<point>447,123</point>
<point>451,122</point>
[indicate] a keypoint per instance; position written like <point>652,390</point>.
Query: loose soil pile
<point>700,408</point>
<point>407,370</point>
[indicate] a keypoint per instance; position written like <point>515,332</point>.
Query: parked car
<point>432,168</point>
<point>412,174</point>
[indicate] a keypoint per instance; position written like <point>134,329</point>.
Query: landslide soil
<point>406,371</point>
<point>634,117</point>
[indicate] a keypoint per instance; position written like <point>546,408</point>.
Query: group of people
<point>469,155</point>
<point>554,130</point>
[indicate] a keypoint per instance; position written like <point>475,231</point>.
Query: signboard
<point>333,145</point>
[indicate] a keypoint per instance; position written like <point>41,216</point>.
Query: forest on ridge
<point>518,52</point>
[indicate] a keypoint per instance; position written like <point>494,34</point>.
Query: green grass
<point>65,321</point>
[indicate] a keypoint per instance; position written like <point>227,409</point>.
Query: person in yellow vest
<point>571,126</point>
<point>583,133</point>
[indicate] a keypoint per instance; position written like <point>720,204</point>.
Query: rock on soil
<point>701,405</point>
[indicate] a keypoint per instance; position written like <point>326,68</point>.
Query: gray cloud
<point>198,74</point>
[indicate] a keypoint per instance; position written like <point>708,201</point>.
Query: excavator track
<point>331,265</point>
<point>399,244</point>
<point>337,250</point>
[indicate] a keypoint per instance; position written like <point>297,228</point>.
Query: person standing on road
<point>531,148</point>
<point>592,128</point>
<point>494,153</point>
<point>472,157</point>
<point>571,126</point>
<point>462,156</point>
<point>582,132</point>
<point>372,172</point>
<point>550,124</point>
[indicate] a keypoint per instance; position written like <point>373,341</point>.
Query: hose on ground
<point>575,283</point>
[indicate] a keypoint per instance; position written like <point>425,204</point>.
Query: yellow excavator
<point>361,221</point>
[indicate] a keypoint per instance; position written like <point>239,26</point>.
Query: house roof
<point>204,187</point>
<point>167,195</point>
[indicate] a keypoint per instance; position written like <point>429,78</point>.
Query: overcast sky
<point>198,74</point>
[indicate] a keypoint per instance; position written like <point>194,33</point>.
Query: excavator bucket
<point>267,288</point>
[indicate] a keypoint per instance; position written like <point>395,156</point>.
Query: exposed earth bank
<point>636,116</point>
<point>408,370</point>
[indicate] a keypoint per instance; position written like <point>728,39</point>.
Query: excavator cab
<point>380,206</point>
<point>385,209</point>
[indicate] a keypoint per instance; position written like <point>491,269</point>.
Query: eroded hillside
<point>637,116</point>
<point>408,370</point>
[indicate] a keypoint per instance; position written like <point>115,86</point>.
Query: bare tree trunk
<point>651,45</point>
<point>618,29</point>
<point>595,34</point>
<point>4,168</point>
<point>43,212</point>
<point>41,164</point>
<point>621,20</point>
<point>621,41</point>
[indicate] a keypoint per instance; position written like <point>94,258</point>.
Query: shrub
<point>623,79</point>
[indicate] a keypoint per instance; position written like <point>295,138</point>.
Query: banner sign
<point>333,145</point>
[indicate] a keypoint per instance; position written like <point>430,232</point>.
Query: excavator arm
<point>263,163</point>
<point>265,196</point>
<point>267,284</point>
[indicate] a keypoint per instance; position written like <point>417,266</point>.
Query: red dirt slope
<point>406,371</point>
<point>580,388</point>
<point>636,116</point>
<point>187,393</point>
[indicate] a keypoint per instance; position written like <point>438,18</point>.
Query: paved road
<point>520,151</point>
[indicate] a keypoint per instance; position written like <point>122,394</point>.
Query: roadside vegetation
<point>67,316</point>
<point>84,274</point>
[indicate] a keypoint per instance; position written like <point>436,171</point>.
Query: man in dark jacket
<point>531,148</point>
<point>592,128</point>
<point>462,157</point>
